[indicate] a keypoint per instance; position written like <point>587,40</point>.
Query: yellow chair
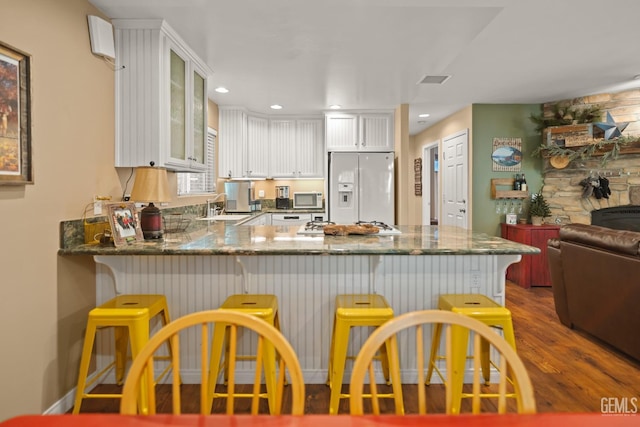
<point>509,360</point>
<point>265,332</point>
<point>481,308</point>
<point>262,306</point>
<point>129,315</point>
<point>360,310</point>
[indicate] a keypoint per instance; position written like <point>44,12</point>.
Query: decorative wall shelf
<point>497,193</point>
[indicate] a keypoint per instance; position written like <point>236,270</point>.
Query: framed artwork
<point>16,163</point>
<point>507,154</point>
<point>125,224</point>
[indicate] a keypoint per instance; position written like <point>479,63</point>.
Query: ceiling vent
<point>433,80</point>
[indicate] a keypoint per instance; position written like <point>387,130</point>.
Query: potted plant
<point>538,208</point>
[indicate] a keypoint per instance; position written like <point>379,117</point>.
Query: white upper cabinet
<point>283,143</point>
<point>359,131</point>
<point>256,146</point>
<point>297,148</point>
<point>161,98</point>
<point>232,143</point>
<point>309,148</point>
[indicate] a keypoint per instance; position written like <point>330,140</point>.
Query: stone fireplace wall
<point>561,187</point>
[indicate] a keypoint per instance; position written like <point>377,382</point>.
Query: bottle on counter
<point>523,183</point>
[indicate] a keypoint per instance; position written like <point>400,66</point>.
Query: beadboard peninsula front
<point>306,273</point>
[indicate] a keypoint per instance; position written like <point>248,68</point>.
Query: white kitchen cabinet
<point>262,219</point>
<point>256,146</point>
<point>243,144</point>
<point>296,148</point>
<point>258,150</point>
<point>364,131</point>
<point>232,143</point>
<point>161,102</point>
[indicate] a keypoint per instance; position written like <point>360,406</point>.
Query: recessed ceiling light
<point>222,89</point>
<point>276,107</point>
<point>423,115</point>
<point>335,107</point>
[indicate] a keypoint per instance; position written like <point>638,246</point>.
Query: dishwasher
<point>290,218</point>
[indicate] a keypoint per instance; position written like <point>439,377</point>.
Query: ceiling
<point>370,54</point>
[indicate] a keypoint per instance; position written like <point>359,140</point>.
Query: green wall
<point>500,121</point>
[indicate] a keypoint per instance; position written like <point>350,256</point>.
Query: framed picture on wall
<point>507,154</point>
<point>125,223</point>
<point>16,166</point>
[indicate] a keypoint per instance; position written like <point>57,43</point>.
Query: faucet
<point>215,210</point>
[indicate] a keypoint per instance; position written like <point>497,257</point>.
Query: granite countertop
<point>226,238</point>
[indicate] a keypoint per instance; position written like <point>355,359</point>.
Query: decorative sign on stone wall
<point>507,154</point>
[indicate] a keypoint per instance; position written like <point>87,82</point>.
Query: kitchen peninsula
<point>305,272</point>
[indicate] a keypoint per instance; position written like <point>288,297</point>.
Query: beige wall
<point>402,163</point>
<point>456,122</point>
<point>44,298</point>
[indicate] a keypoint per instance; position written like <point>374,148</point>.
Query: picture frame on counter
<point>16,163</point>
<point>125,223</point>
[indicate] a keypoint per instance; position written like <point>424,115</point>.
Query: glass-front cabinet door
<point>188,109</point>
<point>178,107</point>
<point>199,119</point>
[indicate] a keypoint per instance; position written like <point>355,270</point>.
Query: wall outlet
<point>475,278</point>
<point>97,205</point>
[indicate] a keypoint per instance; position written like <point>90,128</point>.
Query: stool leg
<point>435,344</point>
<point>219,333</point>
<point>485,361</point>
<point>85,358</point>
<point>139,335</point>
<point>459,339</point>
<point>121,335</point>
<point>385,361</point>
<point>391,346</point>
<point>331,350</point>
<point>165,321</point>
<point>340,344</point>
<point>269,362</point>
<point>509,336</point>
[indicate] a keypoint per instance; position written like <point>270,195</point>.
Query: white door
<point>455,187</point>
<point>427,173</point>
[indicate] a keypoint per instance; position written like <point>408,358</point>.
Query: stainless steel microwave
<point>307,200</point>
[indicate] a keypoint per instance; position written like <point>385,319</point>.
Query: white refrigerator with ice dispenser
<point>361,187</point>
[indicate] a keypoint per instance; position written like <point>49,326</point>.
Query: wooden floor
<point>570,371</point>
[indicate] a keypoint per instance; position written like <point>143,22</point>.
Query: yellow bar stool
<point>265,307</point>
<point>488,312</point>
<point>129,315</point>
<point>360,310</point>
